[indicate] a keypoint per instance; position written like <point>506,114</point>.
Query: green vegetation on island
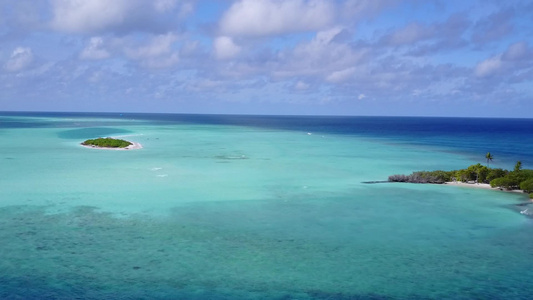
<point>107,143</point>
<point>497,178</point>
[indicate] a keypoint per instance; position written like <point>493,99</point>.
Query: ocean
<point>259,207</point>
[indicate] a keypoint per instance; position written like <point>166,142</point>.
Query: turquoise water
<point>225,211</point>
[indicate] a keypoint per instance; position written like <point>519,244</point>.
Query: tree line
<point>516,179</point>
<point>107,143</point>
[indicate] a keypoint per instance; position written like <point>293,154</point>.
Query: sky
<point>462,58</point>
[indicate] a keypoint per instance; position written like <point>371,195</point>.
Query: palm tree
<point>489,158</point>
<point>518,166</point>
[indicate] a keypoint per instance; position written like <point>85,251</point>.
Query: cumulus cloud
<point>94,50</point>
<point>164,5</point>
<point>342,75</point>
<point>493,27</point>
<point>161,62</point>
<point>19,60</point>
<point>323,56</point>
<point>439,37</point>
<point>159,45</point>
<point>315,49</point>
<point>269,17</point>
<point>225,48</point>
<point>158,52</point>
<point>423,39</point>
<point>364,8</point>
<point>21,14</point>
<point>118,15</point>
<point>301,86</point>
<point>327,36</point>
<point>516,51</point>
<point>410,34</point>
<point>515,59</point>
<point>88,16</point>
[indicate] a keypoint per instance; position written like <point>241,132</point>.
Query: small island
<point>111,143</point>
<point>519,179</point>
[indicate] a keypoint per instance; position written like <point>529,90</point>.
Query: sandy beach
<point>472,185</point>
<point>480,186</point>
<point>133,146</point>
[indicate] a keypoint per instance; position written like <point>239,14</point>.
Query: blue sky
<point>351,57</point>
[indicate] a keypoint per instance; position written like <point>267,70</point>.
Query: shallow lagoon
<point>224,211</point>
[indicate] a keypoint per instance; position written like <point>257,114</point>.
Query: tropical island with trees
<point>517,179</point>
<point>110,143</point>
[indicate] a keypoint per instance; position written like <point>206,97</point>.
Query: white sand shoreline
<point>481,186</point>
<point>472,185</point>
<point>133,146</point>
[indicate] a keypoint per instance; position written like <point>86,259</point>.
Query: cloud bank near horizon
<point>358,57</point>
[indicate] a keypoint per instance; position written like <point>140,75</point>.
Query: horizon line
<point>255,114</point>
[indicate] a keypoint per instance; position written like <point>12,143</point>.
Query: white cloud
<point>159,45</point>
<point>514,61</point>
<point>94,50</point>
<point>516,51</point>
<point>190,48</point>
<point>488,67</point>
<point>269,17</point>
<point>411,33</point>
<point>164,5</point>
<point>326,36</point>
<point>493,27</point>
<point>311,48</point>
<point>161,62</point>
<point>364,8</point>
<point>342,75</point>
<point>88,16</point>
<point>225,48</point>
<point>20,59</point>
<point>156,53</point>
<point>81,16</point>
<point>95,77</point>
<point>301,86</point>
<point>321,57</point>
